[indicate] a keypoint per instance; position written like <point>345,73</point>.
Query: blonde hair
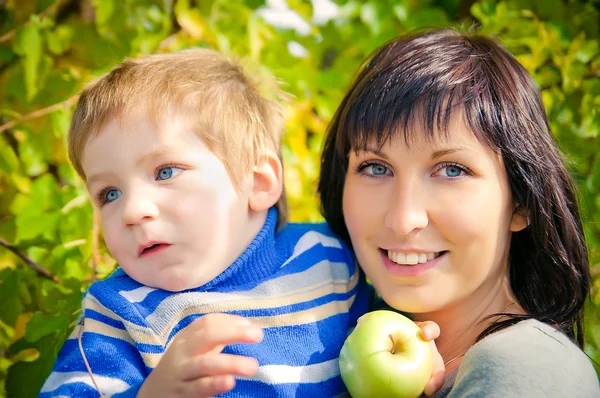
<point>227,110</point>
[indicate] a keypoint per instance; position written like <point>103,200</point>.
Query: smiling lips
<point>411,258</point>
<point>151,247</point>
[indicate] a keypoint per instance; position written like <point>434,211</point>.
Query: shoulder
<point>316,244</point>
<point>529,357</point>
<point>303,236</point>
<point>112,285</point>
<point>526,338</point>
<point>119,295</point>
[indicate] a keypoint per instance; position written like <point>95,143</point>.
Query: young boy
<point>180,155</point>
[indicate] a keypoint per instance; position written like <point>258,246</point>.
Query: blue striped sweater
<point>301,285</point>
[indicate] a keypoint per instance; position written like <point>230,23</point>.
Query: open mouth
<point>402,258</point>
<point>153,248</point>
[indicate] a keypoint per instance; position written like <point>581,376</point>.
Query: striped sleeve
<point>117,368</point>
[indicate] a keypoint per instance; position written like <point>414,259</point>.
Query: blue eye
<point>453,171</point>
<point>111,195</point>
<point>165,173</point>
<point>378,170</point>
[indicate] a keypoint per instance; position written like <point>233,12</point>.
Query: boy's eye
<point>453,171</point>
<point>165,173</point>
<point>111,195</point>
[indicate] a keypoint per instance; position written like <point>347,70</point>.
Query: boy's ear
<point>520,219</point>
<point>268,182</point>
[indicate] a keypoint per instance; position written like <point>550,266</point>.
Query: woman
<point>459,208</point>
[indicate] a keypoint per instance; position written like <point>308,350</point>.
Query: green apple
<point>385,356</point>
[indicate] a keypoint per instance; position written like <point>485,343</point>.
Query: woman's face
<point>431,222</point>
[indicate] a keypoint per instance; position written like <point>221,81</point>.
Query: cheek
<point>114,239</point>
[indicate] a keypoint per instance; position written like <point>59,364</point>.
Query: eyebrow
<point>437,154</point>
<point>162,151</point>
<point>375,151</point>
<point>447,151</point>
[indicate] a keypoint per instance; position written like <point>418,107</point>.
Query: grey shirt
<point>529,359</point>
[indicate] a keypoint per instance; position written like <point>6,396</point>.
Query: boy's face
<point>170,215</point>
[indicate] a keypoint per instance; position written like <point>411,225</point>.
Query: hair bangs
<point>414,98</point>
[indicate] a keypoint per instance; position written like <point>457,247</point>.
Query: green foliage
<point>50,244</point>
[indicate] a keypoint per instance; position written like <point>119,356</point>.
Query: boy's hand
<point>429,332</point>
<point>194,366</point>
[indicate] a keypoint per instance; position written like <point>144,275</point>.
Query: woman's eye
<point>452,171</point>
<point>374,169</point>
<point>111,195</point>
<point>378,169</point>
<point>165,173</point>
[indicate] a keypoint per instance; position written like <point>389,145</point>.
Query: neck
<point>462,322</point>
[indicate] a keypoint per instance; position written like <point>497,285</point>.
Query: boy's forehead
<point>142,133</point>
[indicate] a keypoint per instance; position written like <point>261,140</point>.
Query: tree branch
<point>11,33</point>
<point>32,264</point>
<point>39,113</point>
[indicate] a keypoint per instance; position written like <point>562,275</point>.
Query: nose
<point>407,211</point>
<point>138,208</point>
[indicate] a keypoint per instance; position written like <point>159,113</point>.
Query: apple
<point>385,356</point>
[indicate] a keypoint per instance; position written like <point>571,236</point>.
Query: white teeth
<point>411,258</point>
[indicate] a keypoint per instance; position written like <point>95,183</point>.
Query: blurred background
<point>50,243</point>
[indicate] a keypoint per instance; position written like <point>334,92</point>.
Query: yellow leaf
<point>192,23</point>
<point>20,325</point>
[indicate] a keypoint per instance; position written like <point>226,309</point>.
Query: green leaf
<point>8,159</point>
<point>368,15</point>
<point>10,303</point>
<point>41,225</point>
<point>59,40</point>
<point>28,44</point>
<point>25,379</point>
<point>587,51</point>
<point>590,125</point>
<point>32,155</point>
<point>43,324</point>
<point>104,10</point>
<point>573,75</point>
<point>401,12</point>
<point>60,123</point>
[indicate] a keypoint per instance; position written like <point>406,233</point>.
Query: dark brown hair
<point>424,78</point>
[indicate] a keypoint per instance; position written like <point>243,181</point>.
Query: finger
<point>438,371</point>
<point>216,332</point>
<point>434,384</point>
<point>218,365</point>
<point>210,386</point>
<point>429,330</point>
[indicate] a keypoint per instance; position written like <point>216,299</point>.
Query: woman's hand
<point>194,366</point>
<point>429,332</point>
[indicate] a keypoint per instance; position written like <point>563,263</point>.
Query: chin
<point>411,303</point>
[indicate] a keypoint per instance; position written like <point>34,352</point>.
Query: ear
<point>268,182</point>
<point>520,219</point>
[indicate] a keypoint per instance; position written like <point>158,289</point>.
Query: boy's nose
<point>139,209</point>
<point>406,211</point>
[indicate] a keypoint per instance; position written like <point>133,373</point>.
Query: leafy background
<point>50,243</point>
